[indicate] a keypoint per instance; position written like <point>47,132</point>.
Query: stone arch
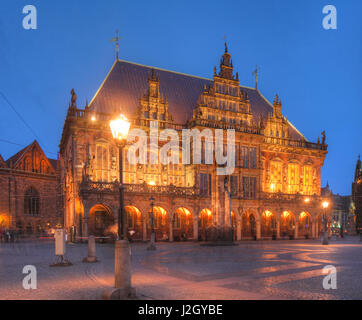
<point>158,218</point>
<point>287,224</point>
<point>205,220</point>
<point>182,224</point>
<point>248,222</point>
<point>134,222</point>
<point>268,224</point>
<point>101,222</point>
<point>305,225</point>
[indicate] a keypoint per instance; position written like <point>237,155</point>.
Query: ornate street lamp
<point>153,236</point>
<point>122,267</point>
<point>325,233</point>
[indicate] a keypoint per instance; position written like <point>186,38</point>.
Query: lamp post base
<point>152,246</point>
<point>325,238</point>
<point>119,294</point>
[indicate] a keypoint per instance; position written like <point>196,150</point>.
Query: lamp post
<point>153,236</point>
<point>325,233</point>
<point>122,263</point>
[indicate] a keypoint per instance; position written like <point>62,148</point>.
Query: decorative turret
<point>277,107</point>
<point>226,65</point>
<point>153,85</point>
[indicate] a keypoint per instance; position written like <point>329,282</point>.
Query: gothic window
<point>102,171</point>
<point>205,184</point>
<point>249,187</point>
<point>275,176</point>
<point>146,114</point>
<point>233,185</point>
<point>293,178</point>
<point>154,115</point>
<point>248,157</point>
<point>308,180</point>
<point>163,117</point>
<point>32,202</point>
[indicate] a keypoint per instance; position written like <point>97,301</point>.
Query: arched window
<point>27,164</point>
<point>43,167</point>
<point>32,202</point>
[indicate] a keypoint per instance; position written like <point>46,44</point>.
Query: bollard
<point>91,250</point>
<point>122,274</point>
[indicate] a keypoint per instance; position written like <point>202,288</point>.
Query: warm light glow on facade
<point>306,200</point>
<point>285,214</point>
<point>151,183</point>
<point>325,204</point>
<point>267,213</point>
<point>120,127</point>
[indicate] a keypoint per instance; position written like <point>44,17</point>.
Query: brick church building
<point>275,187</point>
<point>30,198</point>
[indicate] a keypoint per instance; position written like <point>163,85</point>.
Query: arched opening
<point>287,224</point>
<point>182,224</point>
<point>305,225</point>
<point>101,221</point>
<point>134,222</point>
<point>205,221</point>
<point>268,224</point>
<point>248,225</point>
<point>158,218</point>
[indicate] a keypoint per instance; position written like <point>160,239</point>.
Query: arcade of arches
<point>182,224</point>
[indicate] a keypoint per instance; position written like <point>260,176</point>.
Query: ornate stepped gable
<point>185,94</point>
<point>153,105</point>
<point>32,159</point>
<point>277,125</point>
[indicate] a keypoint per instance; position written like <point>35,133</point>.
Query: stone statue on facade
<point>73,100</point>
<point>323,138</point>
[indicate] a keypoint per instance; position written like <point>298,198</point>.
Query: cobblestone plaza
<point>249,270</point>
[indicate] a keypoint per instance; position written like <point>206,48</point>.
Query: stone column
<point>144,229</point>
<point>258,230</point>
<point>171,231</point>
<point>85,227</point>
<point>296,230</point>
<point>238,230</point>
<point>278,229</point>
<point>313,230</point>
<point>196,229</point>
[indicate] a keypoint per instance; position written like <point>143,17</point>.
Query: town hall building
<point>274,189</point>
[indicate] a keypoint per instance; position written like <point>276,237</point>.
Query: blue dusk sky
<point>316,72</point>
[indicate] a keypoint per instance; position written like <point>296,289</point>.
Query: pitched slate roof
<point>127,81</point>
<point>2,162</point>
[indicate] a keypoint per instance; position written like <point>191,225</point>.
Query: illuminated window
<point>275,176</point>
<point>249,187</point>
<point>293,178</point>
<point>308,180</point>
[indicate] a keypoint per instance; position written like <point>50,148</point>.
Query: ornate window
<point>275,176</point>
<point>308,180</point>
<point>32,202</point>
<point>249,187</point>
<point>293,178</point>
<point>102,163</point>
